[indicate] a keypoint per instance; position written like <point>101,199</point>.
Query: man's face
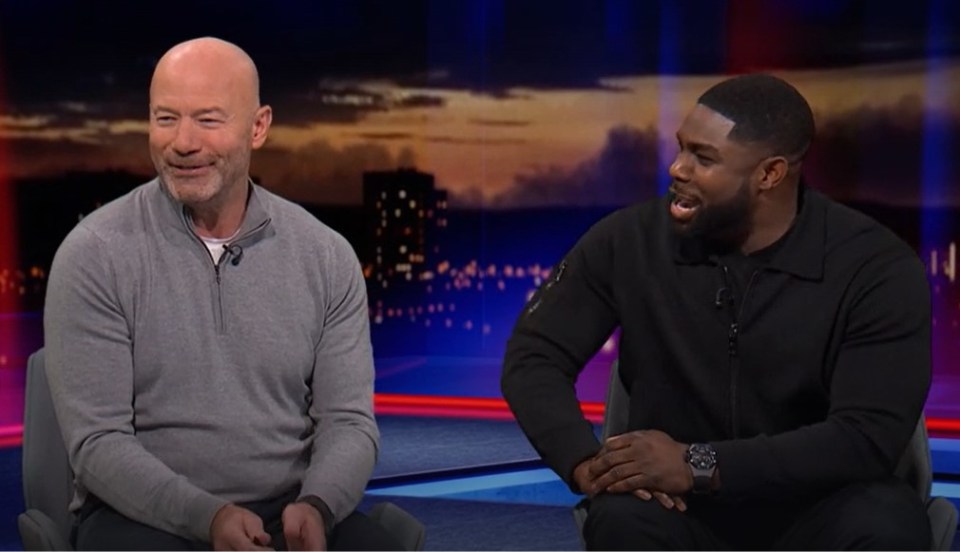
<point>712,194</point>
<point>202,130</point>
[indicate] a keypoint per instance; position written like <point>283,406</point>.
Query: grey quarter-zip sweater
<point>181,385</point>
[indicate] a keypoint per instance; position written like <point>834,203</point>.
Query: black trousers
<point>882,515</point>
<point>100,527</point>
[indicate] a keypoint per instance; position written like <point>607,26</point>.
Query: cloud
<point>499,122</point>
<point>39,157</point>
<point>347,102</point>
<point>8,122</point>
<point>479,141</point>
<point>419,100</point>
<point>54,129</point>
<point>500,93</point>
<point>625,170</point>
<point>92,123</point>
<point>315,173</point>
<point>869,154</point>
<point>469,198</point>
<point>878,155</point>
<point>107,104</point>
<point>322,174</point>
<point>385,135</point>
<point>325,102</point>
<point>75,107</point>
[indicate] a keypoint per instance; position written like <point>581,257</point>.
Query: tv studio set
<point>479,275</point>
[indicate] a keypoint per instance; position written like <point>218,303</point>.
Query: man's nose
<point>679,169</point>
<point>186,140</point>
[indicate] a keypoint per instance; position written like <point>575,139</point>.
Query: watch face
<point>701,456</point>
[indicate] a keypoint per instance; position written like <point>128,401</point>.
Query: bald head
<point>205,120</point>
<point>206,58</point>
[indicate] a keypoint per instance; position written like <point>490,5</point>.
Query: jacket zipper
<point>229,252</point>
<point>216,270</point>
<point>733,347</point>
<point>555,279</point>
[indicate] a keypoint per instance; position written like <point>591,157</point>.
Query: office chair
<point>48,480</point>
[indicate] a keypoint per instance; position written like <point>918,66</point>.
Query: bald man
<point>207,343</point>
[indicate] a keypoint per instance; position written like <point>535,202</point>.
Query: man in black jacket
<point>775,344</point>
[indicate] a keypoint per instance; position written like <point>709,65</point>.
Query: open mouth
<point>683,207</point>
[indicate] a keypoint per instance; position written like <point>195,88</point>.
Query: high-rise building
<point>405,212</point>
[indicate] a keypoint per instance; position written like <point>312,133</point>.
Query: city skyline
<point>520,104</point>
<point>448,270</point>
<point>533,148</point>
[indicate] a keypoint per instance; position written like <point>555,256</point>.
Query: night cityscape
<point>440,281</point>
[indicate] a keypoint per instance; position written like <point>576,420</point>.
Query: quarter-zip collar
<point>801,255</point>
<point>178,226</point>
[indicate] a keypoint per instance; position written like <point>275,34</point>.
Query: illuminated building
<point>405,212</point>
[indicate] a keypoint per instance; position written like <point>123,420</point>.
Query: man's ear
<point>773,170</point>
<point>261,125</point>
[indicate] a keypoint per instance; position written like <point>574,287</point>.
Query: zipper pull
<point>558,273</point>
<point>732,336</point>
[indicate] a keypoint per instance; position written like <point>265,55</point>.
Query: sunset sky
<point>486,96</point>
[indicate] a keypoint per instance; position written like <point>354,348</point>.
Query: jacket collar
<point>802,254</point>
<point>255,225</point>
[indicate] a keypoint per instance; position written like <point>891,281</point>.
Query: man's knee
<point>884,515</point>
<point>624,522</point>
<point>103,528</point>
<point>893,518</point>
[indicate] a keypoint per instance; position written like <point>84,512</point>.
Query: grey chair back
<point>915,464</point>
<point>47,479</point>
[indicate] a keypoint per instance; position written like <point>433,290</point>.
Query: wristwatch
<point>702,459</point>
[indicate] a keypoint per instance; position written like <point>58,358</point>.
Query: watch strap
<point>702,459</point>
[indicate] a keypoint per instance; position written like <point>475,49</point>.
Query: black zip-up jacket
<point>814,376</point>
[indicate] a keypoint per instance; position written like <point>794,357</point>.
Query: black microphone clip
<point>236,252</point>
<point>723,297</point>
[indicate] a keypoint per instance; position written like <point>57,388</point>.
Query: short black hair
<point>764,109</point>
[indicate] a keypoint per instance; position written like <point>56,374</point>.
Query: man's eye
<point>164,119</point>
<point>704,160</point>
<point>207,121</point>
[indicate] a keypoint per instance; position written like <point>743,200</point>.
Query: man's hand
<point>583,479</point>
<point>303,527</point>
<point>236,528</point>
<point>663,498</point>
<point>585,482</point>
<point>649,460</point>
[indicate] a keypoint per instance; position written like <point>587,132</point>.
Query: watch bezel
<point>701,456</point>
<point>702,459</point>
